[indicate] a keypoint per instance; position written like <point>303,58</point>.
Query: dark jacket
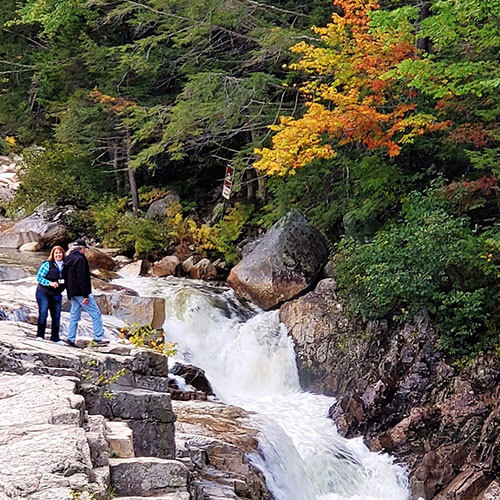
<point>53,274</point>
<point>76,273</point>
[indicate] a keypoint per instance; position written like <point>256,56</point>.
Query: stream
<point>250,361</point>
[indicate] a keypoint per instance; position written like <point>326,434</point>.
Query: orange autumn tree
<point>349,97</point>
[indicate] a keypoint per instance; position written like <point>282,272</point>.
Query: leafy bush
<point>429,258</point>
<point>57,174</point>
<point>81,223</point>
<point>132,234</point>
<point>230,229</point>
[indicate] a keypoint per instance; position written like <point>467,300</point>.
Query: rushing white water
<point>250,361</point>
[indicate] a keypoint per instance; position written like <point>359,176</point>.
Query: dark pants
<point>48,303</point>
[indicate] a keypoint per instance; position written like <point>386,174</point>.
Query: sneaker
<point>101,341</point>
<point>70,343</point>
<point>59,342</point>
<point>40,339</point>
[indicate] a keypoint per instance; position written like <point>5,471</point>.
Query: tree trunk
<point>424,12</point>
<point>113,156</point>
<point>131,175</point>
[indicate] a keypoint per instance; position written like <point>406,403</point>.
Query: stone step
<point>120,439</point>
<point>147,476</point>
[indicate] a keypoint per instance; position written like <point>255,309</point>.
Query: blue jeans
<point>48,303</point>
<point>92,309</point>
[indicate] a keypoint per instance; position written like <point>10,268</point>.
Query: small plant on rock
<point>148,337</point>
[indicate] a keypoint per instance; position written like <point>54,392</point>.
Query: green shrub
<point>57,174</point>
<point>132,234</point>
<point>429,258</point>
<point>81,223</point>
<point>229,231</point>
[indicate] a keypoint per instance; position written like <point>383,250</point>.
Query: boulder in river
<point>136,268</point>
<point>45,226</point>
<point>193,376</point>
<point>166,266</point>
<point>99,259</point>
<point>286,261</point>
<point>203,270</point>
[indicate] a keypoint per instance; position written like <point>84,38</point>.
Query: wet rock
<point>467,485</point>
<point>396,389</point>
<point>190,262</point>
<point>158,209</point>
<point>193,376</point>
<point>330,351</point>
<point>203,270</point>
<point>137,268</point>
<point>166,266</point>
<point>492,492</point>
<point>99,259</point>
<point>216,439</point>
<point>34,246</point>
<point>287,260</point>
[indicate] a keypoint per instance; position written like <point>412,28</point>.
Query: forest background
<point>380,123</point>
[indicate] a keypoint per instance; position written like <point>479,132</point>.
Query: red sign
<point>228,182</point>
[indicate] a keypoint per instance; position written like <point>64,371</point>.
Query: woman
<point>49,293</point>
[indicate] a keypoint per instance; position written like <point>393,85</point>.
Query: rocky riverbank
<point>100,420</point>
<point>399,392</point>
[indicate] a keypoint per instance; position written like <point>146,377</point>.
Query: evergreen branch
<point>272,7</point>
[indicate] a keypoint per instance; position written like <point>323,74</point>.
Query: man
<point>77,276</point>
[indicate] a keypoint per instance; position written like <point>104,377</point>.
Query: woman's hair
<point>51,256</point>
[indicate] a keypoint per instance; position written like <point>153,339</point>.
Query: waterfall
<point>250,361</point>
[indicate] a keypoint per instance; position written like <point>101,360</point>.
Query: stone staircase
<point>68,423</point>
<point>142,477</point>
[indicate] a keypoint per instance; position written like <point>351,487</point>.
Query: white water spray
<point>250,362</point>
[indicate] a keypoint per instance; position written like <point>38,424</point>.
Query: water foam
<point>250,362</point>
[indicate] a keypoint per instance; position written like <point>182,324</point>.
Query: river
<point>250,362</point>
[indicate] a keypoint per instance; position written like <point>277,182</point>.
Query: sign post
<point>227,187</point>
<point>228,183</point>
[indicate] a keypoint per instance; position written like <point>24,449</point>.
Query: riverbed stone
<point>203,270</point>
<point>166,266</point>
<point>287,260</point>
<point>98,259</point>
<point>216,439</point>
<point>136,268</point>
<point>34,246</point>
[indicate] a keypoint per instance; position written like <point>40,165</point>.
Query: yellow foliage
<point>358,104</point>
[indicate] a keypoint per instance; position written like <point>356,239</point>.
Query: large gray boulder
<point>158,208</point>
<point>286,261</point>
<point>46,226</point>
